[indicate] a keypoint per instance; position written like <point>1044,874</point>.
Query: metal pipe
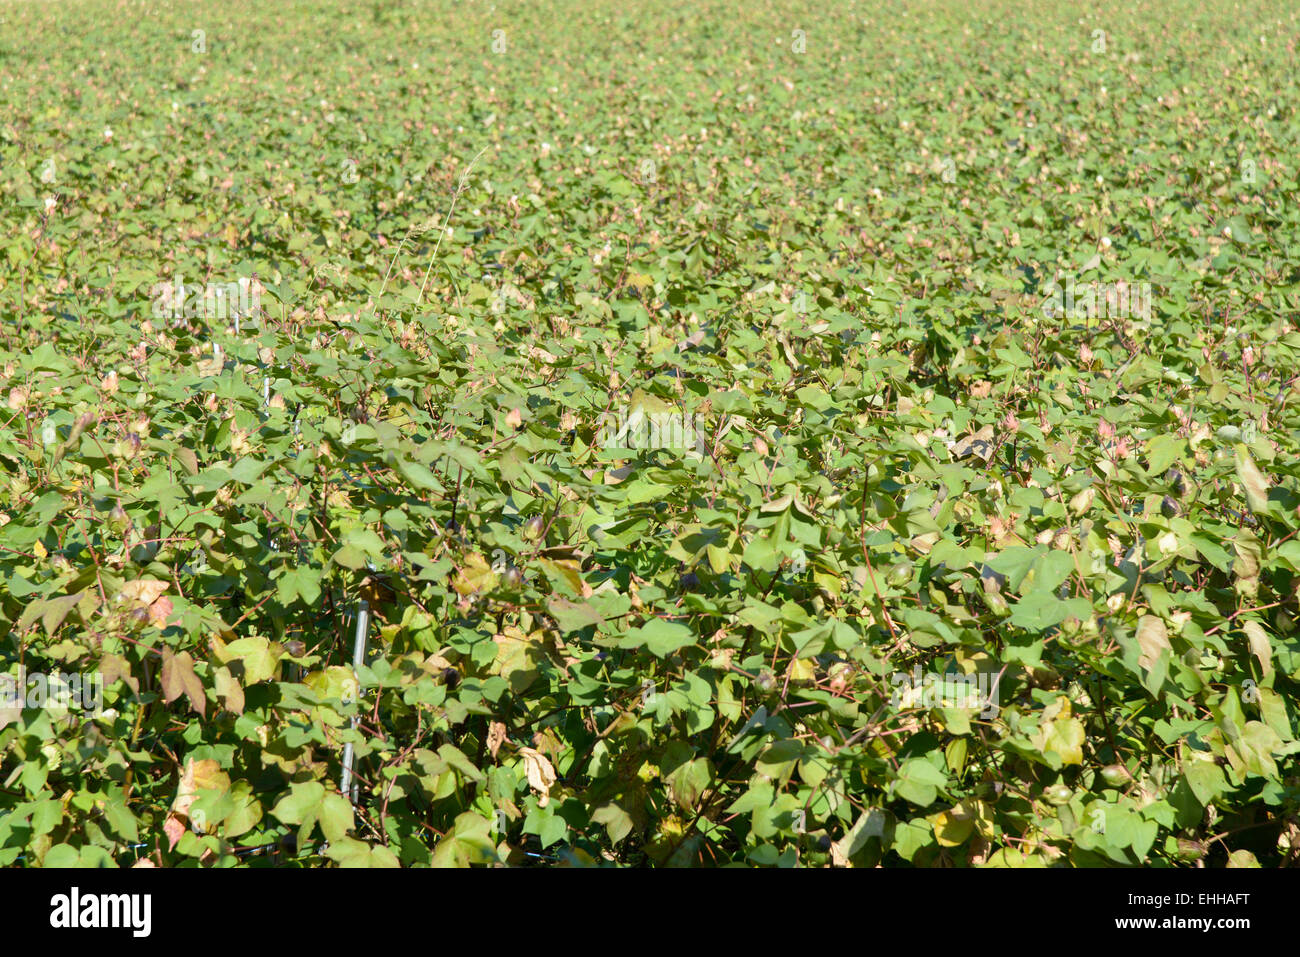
<point>347,785</point>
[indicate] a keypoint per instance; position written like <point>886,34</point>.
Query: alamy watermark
<point>77,910</point>
<point>1112,300</point>
<point>222,301</point>
<point>977,692</point>
<point>679,431</point>
<point>38,690</point>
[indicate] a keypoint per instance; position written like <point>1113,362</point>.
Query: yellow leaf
<point>474,576</point>
<point>144,590</point>
<point>1152,638</point>
<point>951,828</point>
<point>872,823</point>
<point>518,656</point>
<point>496,737</point>
<point>541,775</point>
<point>1252,480</point>
<point>1260,646</point>
<point>228,689</point>
<point>196,776</point>
<point>178,677</point>
<point>568,571</point>
<point>1064,738</point>
<point>801,669</point>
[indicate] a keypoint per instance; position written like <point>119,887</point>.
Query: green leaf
<point>1251,479</point>
<point>660,637</point>
<point>301,804</point>
<point>919,781</point>
<point>1206,780</point>
<point>335,816</point>
<point>302,582</point>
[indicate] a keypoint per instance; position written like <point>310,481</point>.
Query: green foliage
<point>630,645</point>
